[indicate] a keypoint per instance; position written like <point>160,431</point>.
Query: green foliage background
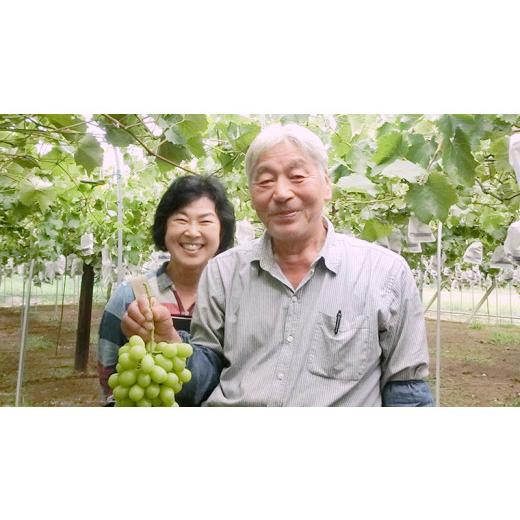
<point>53,187</point>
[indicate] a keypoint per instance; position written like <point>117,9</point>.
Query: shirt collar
<point>163,280</point>
<point>263,251</point>
<point>329,251</point>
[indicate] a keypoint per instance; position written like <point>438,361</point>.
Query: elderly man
<point>302,316</point>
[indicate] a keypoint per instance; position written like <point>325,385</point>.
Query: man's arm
<point>404,344</point>
<point>407,393</point>
<point>205,365</point>
<point>207,338</point>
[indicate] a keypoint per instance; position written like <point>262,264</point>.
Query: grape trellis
<point>393,176</point>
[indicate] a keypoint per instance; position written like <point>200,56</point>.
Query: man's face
<point>288,192</point>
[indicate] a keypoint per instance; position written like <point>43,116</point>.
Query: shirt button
<point>294,299</point>
<point>289,339</point>
<point>280,376</point>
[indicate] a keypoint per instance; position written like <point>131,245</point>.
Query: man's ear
<point>328,186</point>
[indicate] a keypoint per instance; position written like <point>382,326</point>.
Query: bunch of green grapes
<point>151,374</point>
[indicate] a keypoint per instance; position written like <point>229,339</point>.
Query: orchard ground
<point>480,364</point>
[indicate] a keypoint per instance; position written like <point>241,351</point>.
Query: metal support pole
<point>23,338</point>
<point>481,302</point>
<point>23,299</point>
<point>438,328</point>
<point>430,303</point>
<point>55,316</point>
<point>496,302</point>
<point>119,219</point>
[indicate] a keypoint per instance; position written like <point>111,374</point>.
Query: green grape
<point>125,402</point>
<point>163,362</point>
<point>144,380</point>
<point>137,352</point>
<point>168,349</point>
<point>128,377</point>
<point>158,374</point>
<point>175,404</point>
<point>136,340</point>
<point>185,376</point>
<point>184,350</point>
<point>120,392</point>
<point>147,363</point>
<point>136,393</point>
<point>171,380</point>
<point>126,362</point>
<point>179,364</point>
<point>167,395</point>
<point>152,390</point>
<point>113,381</point>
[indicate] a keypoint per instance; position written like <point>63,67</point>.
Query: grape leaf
<point>35,190</point>
<point>404,170</point>
<point>27,161</point>
<point>433,199</point>
<point>118,136</point>
<point>89,153</point>
<point>375,229</point>
<point>388,146</point>
<point>193,124</point>
<point>458,160</point>
<point>174,152</point>
<point>357,183</point>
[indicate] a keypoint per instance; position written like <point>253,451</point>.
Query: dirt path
<point>479,366</point>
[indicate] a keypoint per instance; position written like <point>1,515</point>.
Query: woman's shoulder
<point>121,298</point>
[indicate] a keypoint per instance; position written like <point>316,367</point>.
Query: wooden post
<point>84,318</point>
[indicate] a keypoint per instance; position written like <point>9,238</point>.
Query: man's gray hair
<point>299,136</point>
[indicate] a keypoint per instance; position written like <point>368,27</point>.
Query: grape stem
<point>149,294</point>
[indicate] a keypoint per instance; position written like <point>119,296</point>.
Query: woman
<point>194,221</point>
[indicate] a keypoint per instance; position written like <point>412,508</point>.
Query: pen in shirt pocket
<point>338,321</point>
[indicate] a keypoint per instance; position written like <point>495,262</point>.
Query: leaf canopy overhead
<point>54,188</point>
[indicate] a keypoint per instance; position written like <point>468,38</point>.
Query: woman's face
<point>193,234</point>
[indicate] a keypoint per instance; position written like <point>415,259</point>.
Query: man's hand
<point>139,320</point>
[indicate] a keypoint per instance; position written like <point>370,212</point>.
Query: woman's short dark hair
<point>183,191</point>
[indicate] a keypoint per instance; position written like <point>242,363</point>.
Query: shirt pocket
<point>342,355</point>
